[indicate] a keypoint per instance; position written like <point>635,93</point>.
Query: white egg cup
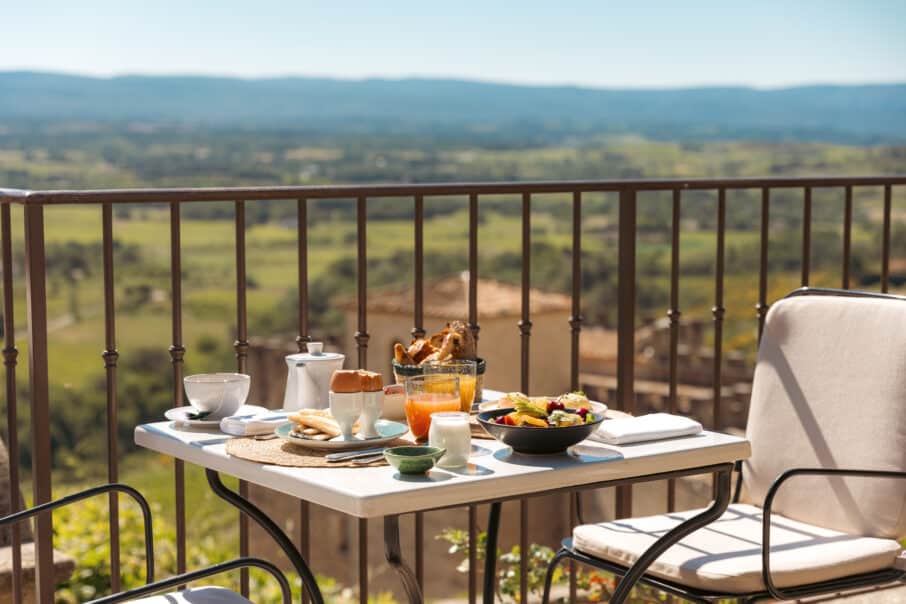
<point>372,407</point>
<point>346,407</point>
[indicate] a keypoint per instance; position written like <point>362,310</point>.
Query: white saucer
<point>181,415</point>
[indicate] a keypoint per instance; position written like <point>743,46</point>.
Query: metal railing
<point>35,203</point>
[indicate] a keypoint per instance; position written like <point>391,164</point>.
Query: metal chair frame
<point>151,586</point>
<point>627,582</point>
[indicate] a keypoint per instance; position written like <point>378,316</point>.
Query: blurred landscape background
<point>60,131</point>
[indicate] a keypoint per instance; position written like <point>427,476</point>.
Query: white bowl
<point>394,402</point>
<point>218,394</point>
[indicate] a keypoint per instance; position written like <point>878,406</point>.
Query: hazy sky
<point>594,43</point>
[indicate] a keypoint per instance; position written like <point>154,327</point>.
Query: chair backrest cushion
<point>830,391</point>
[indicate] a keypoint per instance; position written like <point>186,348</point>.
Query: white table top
<point>495,471</point>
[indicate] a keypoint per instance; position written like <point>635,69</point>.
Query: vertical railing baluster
<point>301,340</point>
<point>847,234</point>
<point>302,244</point>
<point>241,347</point>
<point>523,549</point>
<point>806,234</point>
<point>574,505</point>
<point>473,326</point>
<point>575,319</point>
<point>361,340</point>
<point>885,241</point>
<point>626,323</point>
<point>473,554</point>
<point>304,537</point>
<point>525,330</point>
<point>473,265</point>
<point>719,310</point>
<point>110,357</point>
<point>177,354</point>
<point>10,360</point>
<point>525,324</point>
<point>718,313</point>
<point>418,331</point>
<point>36,303</point>
<point>761,309</point>
<point>673,314</point>
<point>575,327</point>
<point>361,336</point>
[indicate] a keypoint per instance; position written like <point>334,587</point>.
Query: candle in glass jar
<point>450,430</point>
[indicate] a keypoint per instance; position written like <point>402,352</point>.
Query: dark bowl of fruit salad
<point>532,426</point>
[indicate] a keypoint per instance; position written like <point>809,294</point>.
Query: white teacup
<point>217,394</point>
<point>346,407</point>
<point>372,407</point>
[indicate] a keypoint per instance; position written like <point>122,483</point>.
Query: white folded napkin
<point>654,426</point>
<point>247,425</point>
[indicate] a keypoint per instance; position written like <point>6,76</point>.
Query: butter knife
<point>347,455</point>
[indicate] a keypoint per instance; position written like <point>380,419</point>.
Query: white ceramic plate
<point>182,416</point>
<point>595,407</point>
<point>387,429</point>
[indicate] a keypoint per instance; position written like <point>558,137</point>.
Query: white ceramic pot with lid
<point>308,377</point>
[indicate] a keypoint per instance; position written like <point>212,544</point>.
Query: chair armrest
<point>773,590</point>
<point>104,488</point>
<point>216,569</point>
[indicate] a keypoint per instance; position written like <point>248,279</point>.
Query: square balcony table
<point>495,474</point>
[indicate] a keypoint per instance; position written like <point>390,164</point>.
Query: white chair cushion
<point>830,392</point>
<point>725,556</point>
<point>197,595</point>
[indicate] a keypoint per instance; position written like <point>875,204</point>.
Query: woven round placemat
<point>279,452</point>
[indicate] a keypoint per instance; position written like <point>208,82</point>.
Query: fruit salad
<point>544,413</point>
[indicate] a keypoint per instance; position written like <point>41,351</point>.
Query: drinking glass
<point>467,372</point>
<point>451,431</point>
<point>427,394</point>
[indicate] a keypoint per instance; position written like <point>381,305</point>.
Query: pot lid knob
<point>316,348</point>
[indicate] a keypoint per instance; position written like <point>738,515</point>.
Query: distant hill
<point>863,114</point>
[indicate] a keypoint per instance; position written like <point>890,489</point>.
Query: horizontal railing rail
<point>162,195</point>
<point>35,202</point>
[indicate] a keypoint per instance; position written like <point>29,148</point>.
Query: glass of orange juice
<point>466,370</point>
<point>427,394</point>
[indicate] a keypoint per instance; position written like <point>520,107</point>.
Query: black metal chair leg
<point>549,576</point>
<point>624,587</point>
<point>490,554</point>
<point>252,511</point>
<point>393,553</point>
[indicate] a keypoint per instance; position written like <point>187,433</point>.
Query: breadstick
<point>322,424</point>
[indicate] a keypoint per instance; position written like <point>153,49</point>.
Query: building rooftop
<point>449,299</point>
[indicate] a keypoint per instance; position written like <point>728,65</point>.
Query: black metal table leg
<point>252,511</point>
<point>490,554</point>
<point>393,553</point>
<point>688,526</point>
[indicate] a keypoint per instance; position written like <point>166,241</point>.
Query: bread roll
<point>345,380</point>
<point>356,380</point>
<point>371,381</point>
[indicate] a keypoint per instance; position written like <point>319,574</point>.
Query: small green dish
<point>413,459</point>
